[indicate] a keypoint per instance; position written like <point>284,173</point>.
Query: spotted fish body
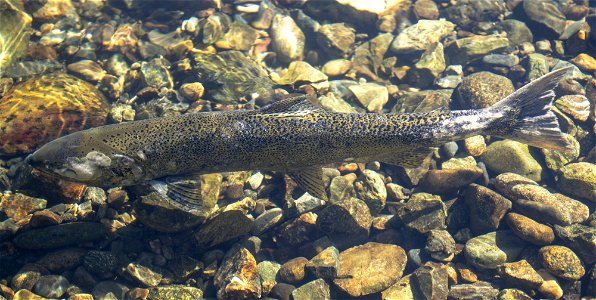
<point>290,135</point>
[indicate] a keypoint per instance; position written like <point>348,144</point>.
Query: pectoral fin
<point>409,158</point>
<point>182,192</point>
<point>311,180</point>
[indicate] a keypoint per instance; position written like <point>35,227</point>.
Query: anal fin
<point>311,180</point>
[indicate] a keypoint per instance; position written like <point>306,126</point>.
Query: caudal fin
<point>526,115</point>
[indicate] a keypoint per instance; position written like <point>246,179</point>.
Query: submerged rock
<point>317,289</point>
<point>15,30</point>
<point>578,179</point>
<point>511,156</point>
<point>487,208</point>
<point>287,39</point>
<point>224,227</point>
<point>46,107</point>
<point>561,262</point>
<point>60,235</point>
<point>483,89</point>
<point>421,36</point>
<point>423,213</point>
<point>181,292</point>
<point>237,277</point>
<point>493,249</point>
<point>580,238</point>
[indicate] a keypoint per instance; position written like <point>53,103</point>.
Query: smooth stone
<point>487,208</point>
<point>267,220</point>
<point>521,274</point>
<point>578,179</point>
<point>27,277</point>
<point>297,231</point>
<point>466,50</point>
<point>109,290</point>
<point>287,39</point>
<point>224,227</point>
<point>26,295</point>
<point>475,146</point>
<point>432,281</point>
<point>489,251</point>
<point>300,72</point>
<point>561,262</point>
<point>192,91</point>
<point>332,103</point>
<point>87,69</point>
<point>370,188</point>
<point>402,289</point>
<point>429,67</point>
<point>237,276</point>
<point>483,89</point>
<point>504,60</point>
<point>282,291</point>
<point>51,286</point>
<point>510,156</point>
<point>336,39</point>
<point>455,173</point>
<point>421,35</point>
<point>580,238</point>
<point>371,95</point>
<point>537,65</point>
<point>293,271</point>
<point>61,235</point>
<point>267,271</point>
<point>550,288</point>
<point>180,292</point>
<point>336,67</point>
<point>546,15</point>
<point>317,289</point>
<point>325,264</point>
<point>477,290</point>
<point>423,213</point>
<point>576,106</point>
<point>513,294</point>
<point>422,101</point>
<point>62,259</point>
<point>585,62</point>
<point>348,220</point>
<point>517,31</point>
<point>530,230</point>
<point>471,14</point>
<point>144,275</point>
<point>369,268</point>
<point>426,9</point>
<point>440,245</point>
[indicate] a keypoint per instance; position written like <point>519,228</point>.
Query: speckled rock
<point>423,212</point>
<point>62,259</point>
<point>181,292</point>
<point>561,262</point>
<point>369,268</point>
<point>17,206</point>
<point>421,35</point>
<point>325,264</point>
<point>511,156</point>
<point>487,208</point>
<point>521,274</point>
<point>483,89</point>
<point>440,245</point>
<point>143,274</point>
<point>513,294</point>
<point>530,230</point>
<point>432,281</point>
<point>267,271</point>
<point>287,39</point>
<point>60,235</point>
<point>467,13</point>
<point>370,188</point>
<point>293,271</point>
<point>493,249</point>
<point>317,289</point>
<point>237,277</point>
<point>578,179</point>
<point>46,107</point>
<point>224,227</point>
<point>348,219</point>
<point>426,9</point>
<point>580,238</point>
<point>466,50</point>
<point>100,262</point>
<point>51,286</point>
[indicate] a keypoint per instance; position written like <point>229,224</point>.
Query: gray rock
<point>267,220</point>
<point>317,289</point>
<point>503,60</point>
<point>537,65</point>
<point>477,290</point>
<point>282,291</point>
<point>493,249</point>
<point>267,271</point>
<point>337,39</point>
<point>51,286</point>
<point>440,245</point>
<point>517,31</point>
<point>325,264</point>
<point>370,187</point>
<point>483,89</point>
<point>421,35</point>
<point>287,39</point>
<point>555,160</point>
<point>61,235</point>
<point>348,220</point>
<point>580,238</point>
<point>546,15</point>
<point>467,50</point>
<point>183,266</point>
<point>100,262</point>
<point>426,9</point>
<point>237,277</point>
<point>430,65</point>
<point>423,213</point>
<point>487,208</point>
<point>293,271</point>
<point>224,227</point>
<point>578,179</point>
<point>109,290</point>
<point>509,156</point>
<point>432,281</point>
<point>298,230</point>
<point>468,13</point>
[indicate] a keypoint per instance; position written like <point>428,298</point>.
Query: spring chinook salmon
<point>292,136</point>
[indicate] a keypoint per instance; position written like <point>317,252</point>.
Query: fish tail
<point>525,115</point>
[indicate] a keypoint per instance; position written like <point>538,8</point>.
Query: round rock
<point>561,262</point>
<point>530,230</point>
<point>483,89</point>
<point>493,249</point>
<point>51,286</point>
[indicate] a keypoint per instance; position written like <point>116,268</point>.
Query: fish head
<point>77,158</point>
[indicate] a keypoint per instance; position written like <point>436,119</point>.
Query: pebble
<point>504,60</point>
<point>371,95</point>
<point>512,294</point>
<point>578,179</point>
<point>432,281</point>
<point>87,69</point>
<point>421,35</point>
<point>429,67</point>
<point>100,262</point>
<point>26,295</point>
<point>483,89</point>
<point>317,289</point>
<point>475,145</point>
<point>293,271</point>
<point>440,245</point>
<point>530,230</point>
<point>369,268</point>
<point>267,220</point>
<point>510,156</point>
<point>580,238</point>
<point>60,235</point>
<point>585,62</point>
<point>577,106</point>
<point>143,274</point>
<point>561,262</point>
<point>426,9</point>
<point>287,39</point>
<point>370,188</point>
<point>521,274</point>
<point>181,292</point>
<point>490,250</point>
<point>192,91</point>
<point>297,231</point>
<point>300,72</point>
<point>423,213</point>
<point>466,50</point>
<point>267,271</point>
<point>336,67</point>
<point>477,290</point>
<point>555,160</point>
<point>282,291</point>
<point>546,15</point>
<point>517,31</point>
<point>455,173</point>
<point>346,221</point>
<point>325,264</point>
<point>109,290</point>
<point>27,277</point>
<point>537,65</point>
<point>336,39</point>
<point>487,208</point>
<point>550,287</point>
<point>237,277</point>
<point>51,286</point>
<point>224,227</point>
<point>402,289</point>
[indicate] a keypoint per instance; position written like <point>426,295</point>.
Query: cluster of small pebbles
<point>484,218</point>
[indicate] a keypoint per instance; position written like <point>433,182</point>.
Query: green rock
<point>491,250</point>
<point>483,89</point>
<point>370,187</point>
<point>517,31</point>
<point>514,157</point>
<point>317,289</point>
<point>429,67</point>
<point>180,292</point>
<point>423,213</point>
<point>537,65</point>
<point>61,235</point>
<point>267,271</point>
<point>466,50</point>
<point>555,160</point>
<point>325,264</point>
<point>578,179</point>
<point>15,30</point>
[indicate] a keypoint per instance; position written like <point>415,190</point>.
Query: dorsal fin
<point>293,104</point>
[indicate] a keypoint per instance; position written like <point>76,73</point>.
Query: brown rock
<point>585,62</point>
<point>349,220</point>
<point>432,281</point>
<point>521,274</point>
<point>561,262</point>
<point>370,268</point>
<point>26,295</point>
<point>293,270</point>
<point>325,264</point>
<point>237,278</point>
<point>17,206</point>
<point>297,231</point>
<point>53,9</point>
<point>44,218</point>
<point>550,288</point>
<point>466,273</point>
<point>63,259</point>
<point>530,230</point>
<point>426,9</point>
<point>487,208</point>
